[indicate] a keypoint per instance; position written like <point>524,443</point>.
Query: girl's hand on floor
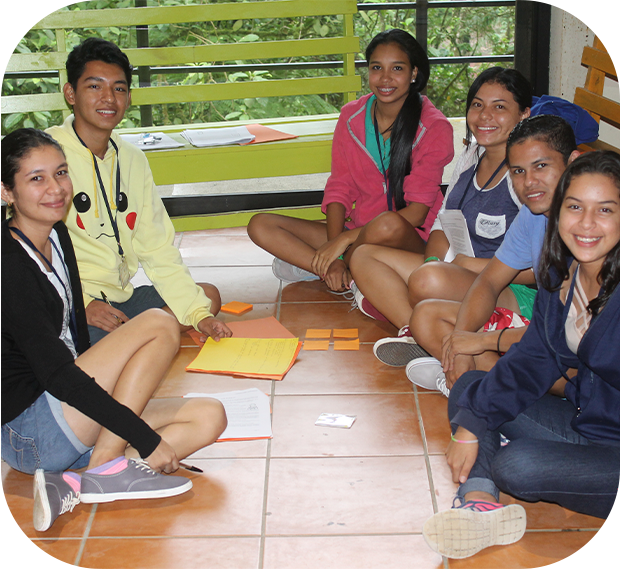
<point>461,456</point>
<point>163,458</point>
<point>215,328</point>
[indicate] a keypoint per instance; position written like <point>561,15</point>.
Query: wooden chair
<point>591,98</point>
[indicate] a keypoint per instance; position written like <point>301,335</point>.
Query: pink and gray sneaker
<point>133,479</point>
<point>472,526</point>
<point>55,493</point>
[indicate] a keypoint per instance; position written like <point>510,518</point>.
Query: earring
<point>413,80</point>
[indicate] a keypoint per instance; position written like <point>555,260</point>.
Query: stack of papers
<point>259,358</point>
<point>218,136</point>
<point>248,414</point>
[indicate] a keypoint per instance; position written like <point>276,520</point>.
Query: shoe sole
<point>398,354</point>
<point>41,512</point>
<point>93,498</point>
<point>460,533</point>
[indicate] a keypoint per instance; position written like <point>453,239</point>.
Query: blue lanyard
<point>73,319</point>
<point>387,189</point>
<point>105,198</point>
<point>460,206</point>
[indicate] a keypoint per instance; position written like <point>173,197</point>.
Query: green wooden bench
<point>309,153</point>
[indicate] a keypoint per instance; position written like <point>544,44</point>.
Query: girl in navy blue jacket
<point>565,451</point>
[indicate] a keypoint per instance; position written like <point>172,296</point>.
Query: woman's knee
<point>424,283</point>
<point>387,228</point>
<point>210,416</point>
<point>161,324</point>
<point>259,225</point>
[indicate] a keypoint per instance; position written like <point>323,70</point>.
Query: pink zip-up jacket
<point>357,180</point>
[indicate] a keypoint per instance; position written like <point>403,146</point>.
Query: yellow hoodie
<point>146,232</point>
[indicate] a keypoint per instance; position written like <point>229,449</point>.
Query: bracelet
<point>429,259</point>
<point>499,352</point>
<point>463,442</point>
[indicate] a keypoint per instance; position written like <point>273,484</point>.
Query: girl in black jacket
<point>65,405</point>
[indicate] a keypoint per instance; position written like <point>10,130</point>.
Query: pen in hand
<point>105,299</point>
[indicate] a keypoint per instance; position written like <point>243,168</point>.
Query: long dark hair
<point>406,124</point>
<point>511,79</point>
<point>553,267</point>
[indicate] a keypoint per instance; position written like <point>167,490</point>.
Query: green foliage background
<point>451,32</point>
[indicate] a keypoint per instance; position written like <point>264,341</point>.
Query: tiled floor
<point>311,497</point>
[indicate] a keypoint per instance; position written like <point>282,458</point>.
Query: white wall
<point>569,35</point>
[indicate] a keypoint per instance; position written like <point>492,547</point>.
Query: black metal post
<point>532,43</point>
<point>144,73</point>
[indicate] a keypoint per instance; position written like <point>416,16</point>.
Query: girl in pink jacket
<point>388,154</point>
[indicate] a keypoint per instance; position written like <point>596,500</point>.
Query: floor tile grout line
<point>261,551</point>
<point>89,525</point>
<point>429,470</point>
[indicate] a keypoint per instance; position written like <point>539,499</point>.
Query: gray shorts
<point>143,298</point>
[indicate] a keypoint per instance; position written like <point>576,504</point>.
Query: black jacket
<point>35,359</point>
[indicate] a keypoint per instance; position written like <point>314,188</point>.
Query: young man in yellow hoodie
<point>117,219</point>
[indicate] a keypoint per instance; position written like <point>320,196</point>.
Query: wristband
<point>499,352</point>
<point>429,259</point>
<point>463,442</point>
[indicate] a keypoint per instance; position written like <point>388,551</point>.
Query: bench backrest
<point>591,98</point>
<point>346,46</point>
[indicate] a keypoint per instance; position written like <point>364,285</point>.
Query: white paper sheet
<point>455,227</point>
<point>248,413</point>
<point>218,136</point>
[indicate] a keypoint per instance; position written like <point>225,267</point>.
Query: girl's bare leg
<point>187,425</point>
<point>381,274</point>
<point>290,239</point>
<point>390,229</point>
<point>129,364</point>
<point>447,281</point>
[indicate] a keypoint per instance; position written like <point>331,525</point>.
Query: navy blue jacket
<point>531,367</point>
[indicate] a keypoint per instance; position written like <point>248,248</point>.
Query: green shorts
<point>525,298</point>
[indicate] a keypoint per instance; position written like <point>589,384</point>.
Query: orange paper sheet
<point>259,328</point>
<point>351,345</point>
<point>316,345</point>
<point>318,333</point>
<point>346,333</point>
<point>236,307</point>
<point>265,134</point>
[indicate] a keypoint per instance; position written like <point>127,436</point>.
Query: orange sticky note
<point>237,308</point>
<point>352,345</point>
<point>317,333</point>
<point>346,333</point>
<point>314,346</point>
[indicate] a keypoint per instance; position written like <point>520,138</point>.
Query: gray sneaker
<point>55,493</point>
<point>290,273</point>
<point>428,373</point>
<point>135,481</point>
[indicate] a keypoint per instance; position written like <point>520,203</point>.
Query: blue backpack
<point>584,126</point>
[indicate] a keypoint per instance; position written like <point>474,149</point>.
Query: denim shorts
<point>41,438</point>
<point>143,298</point>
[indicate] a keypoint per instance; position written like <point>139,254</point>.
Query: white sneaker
<point>290,273</point>
<point>425,372</point>
<point>399,351</point>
